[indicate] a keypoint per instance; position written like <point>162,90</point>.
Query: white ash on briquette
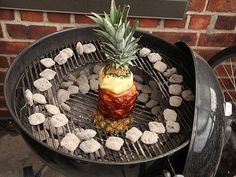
<point>29,97</point>
<point>59,120</point>
<point>138,78</point>
<point>172,127</point>
<point>153,84</point>
<point>160,66</point>
<point>47,62</point>
<point>170,115</point>
<point>93,76</point>
<point>169,72</point>
<point>143,97</point>
<point>73,89</point>
<point>156,127</point>
<point>151,103</point>
<point>133,134</point>
<point>70,142</point>
<point>144,52</point>
<point>97,68</point>
<point>101,152</point>
<point>154,57</point>
<point>89,48</point>
<point>63,95</point>
<point>146,89</point>
<point>156,94</point>
<point>138,86</point>
<point>175,89</point>
<point>176,79</point>
<point>68,51</point>
<point>61,58</point>
<point>90,146</point>
<point>85,72</point>
<point>83,84</point>
<point>85,134</point>
<point>149,137</point>
<point>175,101</point>
<point>67,84</point>
<point>53,142</point>
<point>79,48</point>
<point>155,110</point>
<point>48,74</point>
<point>41,135</point>
<point>114,143</point>
<point>39,98</point>
<point>48,125</point>
<point>84,87</point>
<point>52,109</point>
<point>36,118</point>
<point>187,95</point>
<point>71,77</point>
<point>65,106</point>
<point>42,84</point>
<point>93,84</point>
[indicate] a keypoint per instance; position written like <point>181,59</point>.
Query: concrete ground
<point>15,155</point>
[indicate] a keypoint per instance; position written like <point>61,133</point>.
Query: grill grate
<point>83,106</point>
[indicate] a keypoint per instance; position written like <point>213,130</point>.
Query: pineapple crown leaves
<point>116,34</point>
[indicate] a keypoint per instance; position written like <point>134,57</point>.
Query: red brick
<point>197,5</point>
<point>2,76</point>
<point>175,23</point>
<point>29,32</point>
<point>226,22</point>
<point>226,83</point>
<point>222,6</point>
<point>58,17</point>
<point>1,89</point>
<point>207,53</point>
<point>190,38</point>
<point>4,112</point>
<point>2,102</point>
<point>83,19</point>
<point>199,21</point>
<point>233,59</point>
<point>1,34</point>
<point>31,16</point>
<point>3,62</point>
<point>148,23</point>
<point>225,70</point>
<point>12,59</point>
<point>6,14</point>
<point>217,40</point>
<point>12,47</point>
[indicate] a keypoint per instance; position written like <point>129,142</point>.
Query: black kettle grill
<point>194,152</point>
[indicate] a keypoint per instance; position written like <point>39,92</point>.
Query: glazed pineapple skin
<point>116,106</point>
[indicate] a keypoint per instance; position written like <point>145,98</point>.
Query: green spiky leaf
<point>116,33</point>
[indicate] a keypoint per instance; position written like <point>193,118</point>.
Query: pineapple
<point>117,92</point>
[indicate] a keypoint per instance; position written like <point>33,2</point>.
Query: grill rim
<point>19,123</point>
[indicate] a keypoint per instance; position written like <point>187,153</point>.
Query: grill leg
<point>28,171</point>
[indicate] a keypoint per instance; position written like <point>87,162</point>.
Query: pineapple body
<point>114,83</point>
<point>117,93</point>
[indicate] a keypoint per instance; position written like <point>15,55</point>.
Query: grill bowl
<point>51,44</point>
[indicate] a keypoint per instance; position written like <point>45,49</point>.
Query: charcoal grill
<point>202,122</point>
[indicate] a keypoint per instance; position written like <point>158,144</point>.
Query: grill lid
<point>207,138</point>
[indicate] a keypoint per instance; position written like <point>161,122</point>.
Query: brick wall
<point>209,26</point>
